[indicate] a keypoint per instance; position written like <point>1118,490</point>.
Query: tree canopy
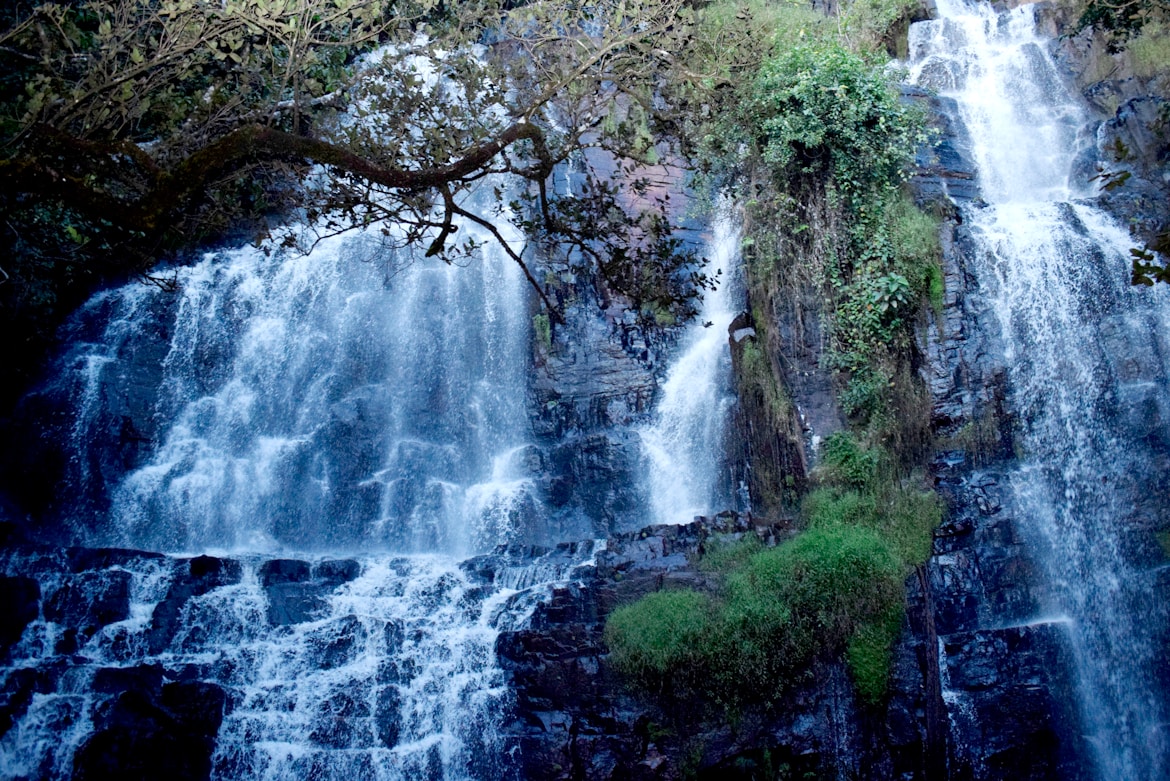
<point>131,128</point>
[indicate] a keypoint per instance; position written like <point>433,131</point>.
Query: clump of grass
<point>661,635</point>
<point>780,609</point>
<point>836,588</point>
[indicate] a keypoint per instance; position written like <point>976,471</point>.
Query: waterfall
<point>684,442</point>
<point>347,398</point>
<point>1088,360</point>
<point>356,401</point>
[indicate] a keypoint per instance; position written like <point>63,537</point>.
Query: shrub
<point>848,462</point>
<point>870,651</point>
<point>808,597</point>
<point>821,109</point>
<point>723,557</point>
<point>780,608</point>
<point>659,635</point>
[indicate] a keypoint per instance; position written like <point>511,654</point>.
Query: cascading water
<point>1088,361</point>
<point>322,402</point>
<point>353,400</point>
<point>684,443</point>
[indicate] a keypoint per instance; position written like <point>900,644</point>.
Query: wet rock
<point>282,571</point>
<point>193,577</point>
<point>21,597</point>
<point>336,643</point>
<point>87,559</point>
<point>386,715</point>
<point>17,692</point>
<point>334,572</point>
<point>166,735</point>
<point>340,719</point>
<point>145,679</point>
<point>294,603</point>
<point>91,600</point>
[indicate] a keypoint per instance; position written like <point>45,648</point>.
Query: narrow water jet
<point>684,442</point>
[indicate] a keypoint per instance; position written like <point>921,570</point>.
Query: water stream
<point>684,442</point>
<point>1088,360</point>
<point>356,401</point>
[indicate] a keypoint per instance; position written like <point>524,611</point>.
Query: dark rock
<point>145,679</point>
<point>86,559</point>
<point>340,719</point>
<point>202,574</point>
<point>294,603</point>
<point>334,572</point>
<point>91,600</point>
<point>386,715</point>
<point>157,735</point>
<point>282,571</point>
<point>336,643</point>
<point>21,597</point>
<point>17,692</point>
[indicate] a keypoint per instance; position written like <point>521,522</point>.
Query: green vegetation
<point>779,610</point>
<point>662,636</point>
<point>1163,538</point>
<point>835,588</point>
<point>542,329</point>
<point>1123,20</point>
<point>819,144</point>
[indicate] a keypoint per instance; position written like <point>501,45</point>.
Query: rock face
<point>979,687</point>
<point>593,380</point>
<point>970,698</point>
<point>1130,138</point>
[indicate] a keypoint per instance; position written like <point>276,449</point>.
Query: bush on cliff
<point>835,589</point>
<point>776,613</point>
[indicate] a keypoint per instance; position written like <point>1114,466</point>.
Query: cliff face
<point>980,687</point>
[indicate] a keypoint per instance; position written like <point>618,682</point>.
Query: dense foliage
<point>835,588</point>
<point>134,129</point>
<point>820,144</point>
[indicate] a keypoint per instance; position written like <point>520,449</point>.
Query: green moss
<point>846,461</point>
<point>779,609</point>
<point>722,557</point>
<point>870,653</point>
<point>659,634</point>
<point>833,507</point>
<point>1163,538</point>
<point>1150,52</point>
<point>542,328</point>
<point>756,372</point>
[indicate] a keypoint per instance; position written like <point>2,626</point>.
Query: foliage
<point>870,653</point>
<point>859,488</point>
<point>1163,538</point>
<point>879,25</point>
<point>828,127</point>
<point>150,123</point>
<point>821,109</point>
<point>661,636</point>
<point>542,328</point>
<point>836,588</point>
<point>849,463</point>
<point>780,609</point>
<point>1122,20</point>
<point>722,557</point>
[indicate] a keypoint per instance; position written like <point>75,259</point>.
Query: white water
<point>684,442</point>
<point>394,679</point>
<point>1087,357</point>
<point>354,400</point>
<point>334,401</point>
